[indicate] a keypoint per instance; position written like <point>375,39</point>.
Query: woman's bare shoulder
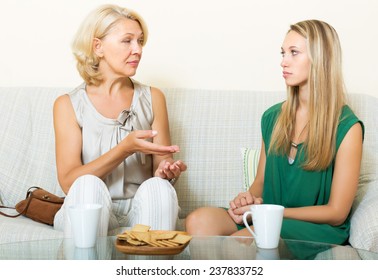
<point>62,104</point>
<point>156,92</point>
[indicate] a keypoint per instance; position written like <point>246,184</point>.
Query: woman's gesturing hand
<point>169,170</point>
<point>136,142</point>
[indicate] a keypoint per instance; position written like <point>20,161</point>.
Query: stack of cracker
<point>140,235</point>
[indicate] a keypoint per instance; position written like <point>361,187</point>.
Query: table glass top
<point>199,248</point>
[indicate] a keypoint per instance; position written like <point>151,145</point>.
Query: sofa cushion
<point>364,221</point>
<point>250,161</point>
<point>24,229</point>
<point>211,126</point>
<point>27,149</point>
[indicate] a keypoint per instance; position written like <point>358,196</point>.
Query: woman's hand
<point>241,204</point>
<point>136,142</point>
<point>169,170</point>
<point>244,199</point>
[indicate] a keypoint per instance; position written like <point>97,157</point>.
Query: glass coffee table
<point>199,248</point>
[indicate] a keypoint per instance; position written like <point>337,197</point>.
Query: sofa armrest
<point>364,221</point>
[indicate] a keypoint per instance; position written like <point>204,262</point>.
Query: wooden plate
<point>127,248</point>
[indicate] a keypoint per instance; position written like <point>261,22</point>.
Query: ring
<point>172,181</point>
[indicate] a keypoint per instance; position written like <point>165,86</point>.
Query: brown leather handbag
<point>38,205</point>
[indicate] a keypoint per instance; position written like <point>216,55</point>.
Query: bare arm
<point>344,184</point>
<point>343,190</point>
<point>68,143</point>
<point>163,165</point>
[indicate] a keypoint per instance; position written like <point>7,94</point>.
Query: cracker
<point>123,237</point>
<point>146,238</point>
<point>181,239</point>
<point>140,235</point>
<point>164,236</point>
<point>167,243</point>
<point>140,228</point>
<point>135,242</point>
<point>156,244</point>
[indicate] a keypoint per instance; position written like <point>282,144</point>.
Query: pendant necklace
<point>295,145</point>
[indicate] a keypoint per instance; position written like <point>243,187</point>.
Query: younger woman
<point>311,147</point>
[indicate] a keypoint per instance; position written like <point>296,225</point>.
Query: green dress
<point>291,186</point>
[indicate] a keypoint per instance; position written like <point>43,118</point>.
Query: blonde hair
<point>97,25</point>
<point>327,97</point>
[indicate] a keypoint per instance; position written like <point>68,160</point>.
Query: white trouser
<point>155,204</point>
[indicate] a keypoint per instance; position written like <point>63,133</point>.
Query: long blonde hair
<point>97,25</point>
<point>327,97</point>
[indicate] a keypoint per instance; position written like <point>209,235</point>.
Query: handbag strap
<point>28,193</point>
<point>7,215</point>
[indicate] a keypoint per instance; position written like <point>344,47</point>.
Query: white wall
<point>219,44</point>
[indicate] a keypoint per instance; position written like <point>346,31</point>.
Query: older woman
<point>112,133</point>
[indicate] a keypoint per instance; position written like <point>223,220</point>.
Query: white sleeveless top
<point>100,134</point>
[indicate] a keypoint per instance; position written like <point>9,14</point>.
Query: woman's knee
<point>89,180</point>
<point>197,219</point>
<point>155,203</point>
<point>155,187</point>
<point>156,181</point>
<point>89,188</point>
<point>209,221</point>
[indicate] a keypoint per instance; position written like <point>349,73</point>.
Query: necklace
<point>295,145</point>
<point>292,154</point>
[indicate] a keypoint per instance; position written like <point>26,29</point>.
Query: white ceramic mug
<point>84,223</point>
<point>267,223</point>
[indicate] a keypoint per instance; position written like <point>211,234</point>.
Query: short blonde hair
<point>97,25</point>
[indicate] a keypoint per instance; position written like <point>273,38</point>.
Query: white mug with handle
<point>267,223</point>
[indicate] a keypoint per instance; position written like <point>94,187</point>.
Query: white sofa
<point>210,126</point>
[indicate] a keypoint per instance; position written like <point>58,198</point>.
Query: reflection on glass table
<point>200,248</point>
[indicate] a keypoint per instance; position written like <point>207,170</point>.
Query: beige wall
<point>219,44</point>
